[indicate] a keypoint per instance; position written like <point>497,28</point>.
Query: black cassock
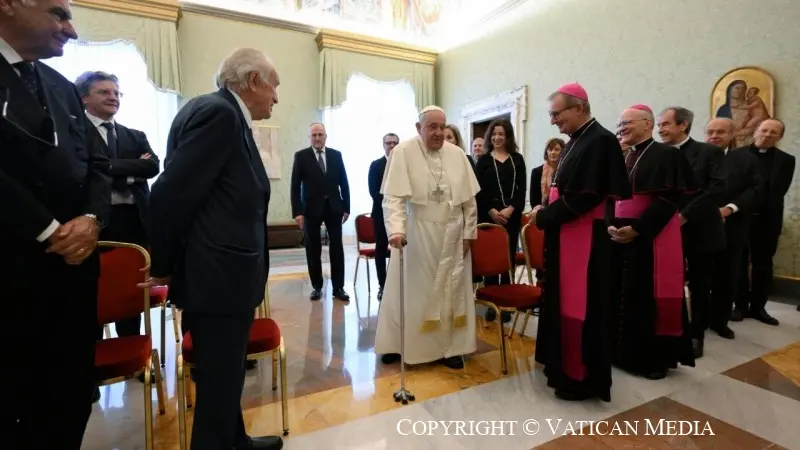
<point>572,339</point>
<point>650,323</point>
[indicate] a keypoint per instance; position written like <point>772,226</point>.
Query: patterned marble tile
<point>764,373</point>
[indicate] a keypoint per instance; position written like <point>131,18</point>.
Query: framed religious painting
<point>266,138</point>
<point>745,95</point>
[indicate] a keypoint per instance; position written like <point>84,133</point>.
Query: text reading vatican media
<point>555,427</point>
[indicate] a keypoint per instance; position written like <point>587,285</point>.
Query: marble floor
<point>744,394</point>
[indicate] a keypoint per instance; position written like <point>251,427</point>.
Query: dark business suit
<point>53,168</point>
<point>703,233</point>
<point>535,192</point>
<point>321,197</point>
<point>375,179</point>
<point>207,226</point>
<point>129,179</point>
<point>742,185</point>
<point>777,170</point>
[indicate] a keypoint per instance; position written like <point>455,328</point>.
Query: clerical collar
<point>760,150</point>
<point>683,142</point>
<point>582,128</point>
<point>642,145</point>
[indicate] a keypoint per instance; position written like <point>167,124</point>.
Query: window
<point>356,128</point>
<point>142,106</point>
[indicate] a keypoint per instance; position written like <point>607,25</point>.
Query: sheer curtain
<point>142,106</point>
<point>356,128</point>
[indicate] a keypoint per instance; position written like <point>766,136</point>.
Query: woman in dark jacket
<point>542,176</point>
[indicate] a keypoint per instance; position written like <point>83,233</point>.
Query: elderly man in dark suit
<point>375,179</point>
<point>133,162</point>
<point>702,231</point>
<point>208,231</point>
<point>320,194</point>
<point>55,190</point>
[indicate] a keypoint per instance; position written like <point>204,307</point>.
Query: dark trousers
<point>726,284</point>
<point>700,276</point>
<point>48,329</point>
<point>754,290</point>
<point>513,227</point>
<point>126,226</point>
<point>220,350</point>
<point>333,222</point>
<point>381,248</point>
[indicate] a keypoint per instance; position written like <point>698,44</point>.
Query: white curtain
<point>356,128</point>
<point>142,107</point>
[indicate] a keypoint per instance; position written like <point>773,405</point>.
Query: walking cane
<point>403,395</point>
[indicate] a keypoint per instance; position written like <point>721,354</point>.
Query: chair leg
<point>355,274</point>
<point>162,408</point>
<point>513,325</point>
<point>284,394</point>
<point>148,408</point>
<point>502,334</point>
<point>274,371</point>
<point>369,282</point>
<point>164,334</point>
<point>179,376</point>
<point>528,313</point>
<point>175,324</point>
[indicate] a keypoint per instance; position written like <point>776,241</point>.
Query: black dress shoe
<point>380,294</point>
<point>656,375</point>
<point>341,294</point>
<point>737,315</point>
<point>724,332</point>
<point>250,364</point>
<point>571,396</point>
<point>262,443</point>
<point>390,358</point>
<point>316,294</point>
<point>453,362</point>
<point>762,316</point>
<point>96,395</point>
<point>697,348</point>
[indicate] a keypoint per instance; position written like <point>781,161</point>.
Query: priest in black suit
<point>207,225</point>
<point>703,233</point>
<point>777,171</point>
<point>650,332</point>
<point>740,198</point>
<point>572,339</point>
<point>320,194</point>
<point>375,180</point>
<point>55,189</point>
<point>133,162</point>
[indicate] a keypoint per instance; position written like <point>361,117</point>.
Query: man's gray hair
<point>85,81</point>
<point>682,115</point>
<point>235,70</point>
<point>572,101</point>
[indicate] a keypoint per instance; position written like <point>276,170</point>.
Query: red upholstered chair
<point>533,250</point>
<point>519,257</point>
<point>118,298</point>
<point>488,260</point>
<point>365,234</point>
<point>265,340</point>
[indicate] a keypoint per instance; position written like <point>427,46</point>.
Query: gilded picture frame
<point>747,96</point>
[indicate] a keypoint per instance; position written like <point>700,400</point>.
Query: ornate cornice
<point>247,18</point>
<point>372,46</point>
<point>154,9</point>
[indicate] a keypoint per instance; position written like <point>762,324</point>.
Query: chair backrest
<point>490,254</point>
<point>533,246</point>
<point>365,231</point>
<point>118,296</point>
<point>524,219</point>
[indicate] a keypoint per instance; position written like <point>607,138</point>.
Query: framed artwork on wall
<point>747,96</point>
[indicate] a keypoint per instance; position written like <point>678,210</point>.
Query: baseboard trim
<point>785,289</point>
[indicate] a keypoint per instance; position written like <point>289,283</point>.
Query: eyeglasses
<point>4,102</point>
<point>557,114</point>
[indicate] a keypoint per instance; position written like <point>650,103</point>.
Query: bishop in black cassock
<point>572,339</point>
<point>650,324</point>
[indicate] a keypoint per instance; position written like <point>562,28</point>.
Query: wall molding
<point>255,19</point>
<point>372,46</point>
<point>153,9</point>
<point>513,103</point>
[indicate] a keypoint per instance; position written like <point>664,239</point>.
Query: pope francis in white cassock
<point>429,206</point>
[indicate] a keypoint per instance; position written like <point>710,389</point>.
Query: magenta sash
<point>575,245</point>
<point>668,270</point>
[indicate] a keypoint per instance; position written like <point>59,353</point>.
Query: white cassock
<point>430,197</point>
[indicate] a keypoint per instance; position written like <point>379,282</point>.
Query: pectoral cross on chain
<point>438,194</point>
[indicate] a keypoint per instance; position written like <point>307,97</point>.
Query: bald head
<point>635,126</point>
<point>720,132</point>
<point>431,126</point>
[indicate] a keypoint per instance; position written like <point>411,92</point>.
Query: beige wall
<point>623,52</point>
<point>204,41</point>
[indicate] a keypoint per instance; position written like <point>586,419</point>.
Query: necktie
<point>111,139</point>
<point>29,78</point>
<point>321,160</point>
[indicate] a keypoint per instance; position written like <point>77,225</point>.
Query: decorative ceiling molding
<point>248,18</point>
<point>373,46</point>
<point>153,9</point>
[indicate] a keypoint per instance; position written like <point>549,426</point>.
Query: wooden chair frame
<point>154,360</point>
<point>185,384</point>
<point>360,256</point>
